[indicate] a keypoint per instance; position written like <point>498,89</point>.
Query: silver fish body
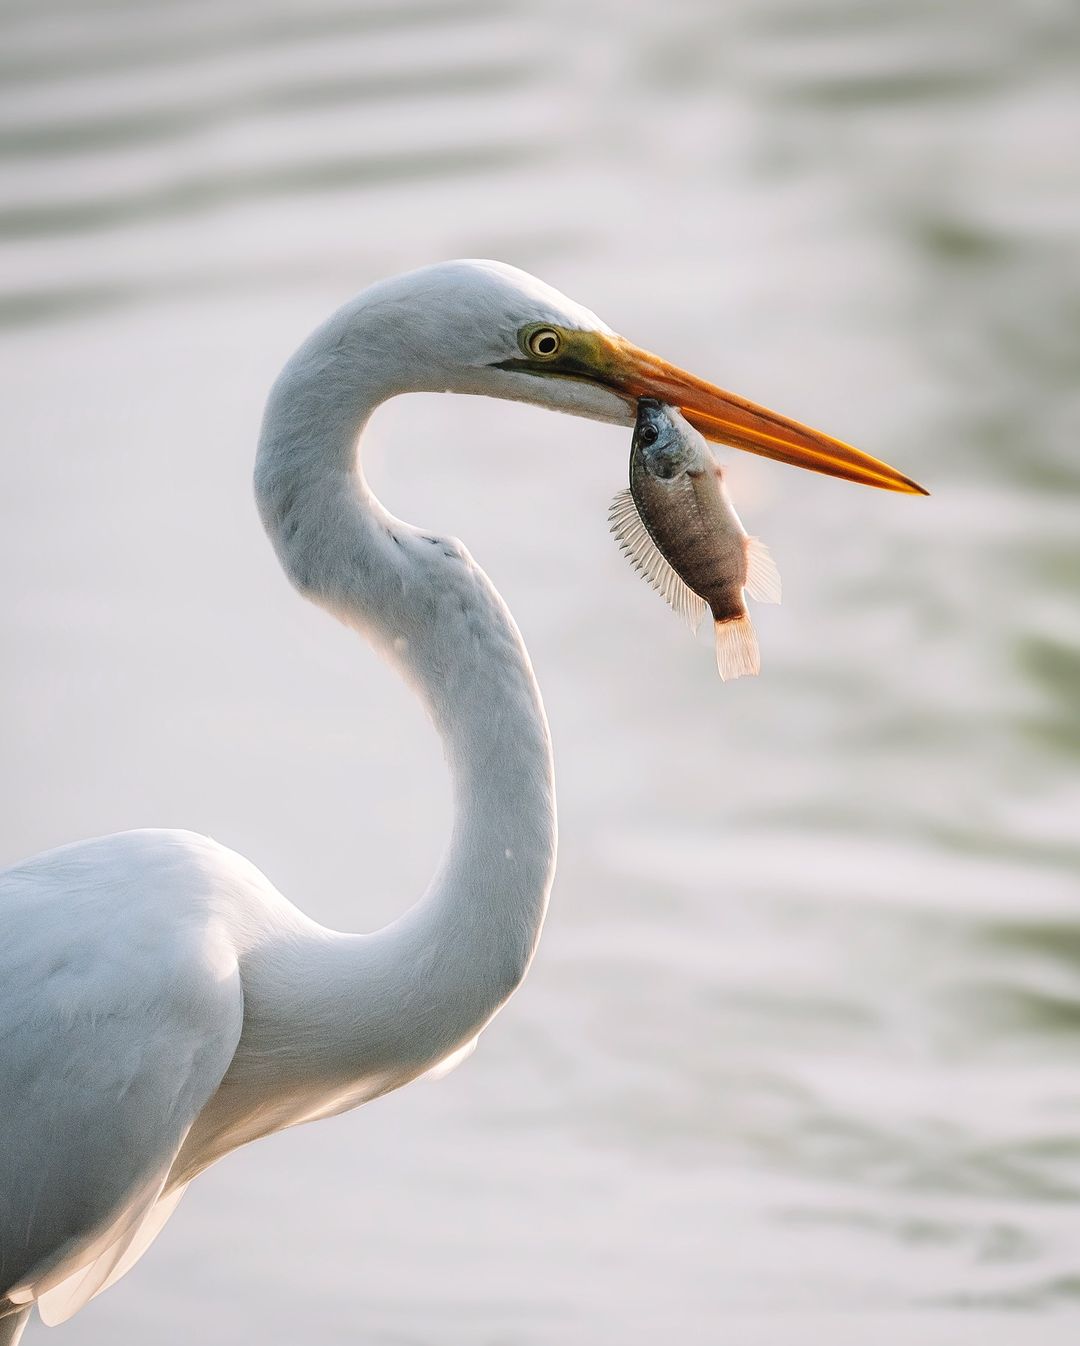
<point>679,527</point>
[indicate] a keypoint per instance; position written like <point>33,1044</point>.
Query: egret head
<point>487,328</point>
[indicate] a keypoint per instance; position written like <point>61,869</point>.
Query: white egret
<point>160,1002</point>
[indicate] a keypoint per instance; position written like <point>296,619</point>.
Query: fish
<point>677,525</point>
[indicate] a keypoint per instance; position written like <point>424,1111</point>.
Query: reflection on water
<point>799,1055</point>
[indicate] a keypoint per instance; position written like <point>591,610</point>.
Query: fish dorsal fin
<point>643,553</point>
<point>762,576</point>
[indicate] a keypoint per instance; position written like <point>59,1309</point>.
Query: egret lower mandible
<point>161,1003</point>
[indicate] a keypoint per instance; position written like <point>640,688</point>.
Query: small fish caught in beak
<point>678,527</point>
<point>725,418</point>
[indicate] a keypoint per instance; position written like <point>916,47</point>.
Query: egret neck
<point>408,995</point>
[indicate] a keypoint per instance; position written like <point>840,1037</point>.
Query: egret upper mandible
<point>161,1003</point>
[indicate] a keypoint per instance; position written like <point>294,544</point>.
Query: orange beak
<point>725,418</point>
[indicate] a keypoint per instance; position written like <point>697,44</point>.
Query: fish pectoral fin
<point>643,553</point>
<point>762,576</point>
<point>736,648</point>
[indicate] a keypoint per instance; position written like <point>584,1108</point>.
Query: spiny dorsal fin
<point>762,576</point>
<point>736,648</point>
<point>643,553</point>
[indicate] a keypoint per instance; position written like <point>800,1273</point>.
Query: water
<point>799,1057</point>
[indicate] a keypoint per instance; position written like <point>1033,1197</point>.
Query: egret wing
<point>120,1010</point>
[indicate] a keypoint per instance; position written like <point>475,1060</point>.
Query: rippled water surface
<point>799,1059</point>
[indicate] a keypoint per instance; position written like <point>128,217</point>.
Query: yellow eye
<point>543,342</point>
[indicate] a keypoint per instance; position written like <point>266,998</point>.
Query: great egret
<point>160,1002</point>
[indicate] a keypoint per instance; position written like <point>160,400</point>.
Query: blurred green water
<point>799,1052</point>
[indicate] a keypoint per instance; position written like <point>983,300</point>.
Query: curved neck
<point>434,977</point>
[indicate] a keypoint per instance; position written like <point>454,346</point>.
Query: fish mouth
<point>726,418</point>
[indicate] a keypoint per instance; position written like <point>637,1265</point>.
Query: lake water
<point>799,1058</point>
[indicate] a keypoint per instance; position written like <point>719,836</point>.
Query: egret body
<point>161,1003</point>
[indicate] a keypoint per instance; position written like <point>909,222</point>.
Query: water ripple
<point>166,45</point>
<point>89,134</point>
<point>198,193</point>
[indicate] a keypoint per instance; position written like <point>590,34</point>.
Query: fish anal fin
<point>736,648</point>
<point>762,576</point>
<point>642,552</point>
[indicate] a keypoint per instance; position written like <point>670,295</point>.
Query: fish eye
<point>649,434</point>
<point>543,342</point>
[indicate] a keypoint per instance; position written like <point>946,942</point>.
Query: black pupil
<point>649,434</point>
<point>546,345</point>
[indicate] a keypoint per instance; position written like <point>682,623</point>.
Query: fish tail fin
<point>736,648</point>
<point>762,576</point>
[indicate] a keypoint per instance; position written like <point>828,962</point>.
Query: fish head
<point>664,442</point>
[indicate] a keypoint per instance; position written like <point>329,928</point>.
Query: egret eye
<point>544,342</point>
<point>649,434</point>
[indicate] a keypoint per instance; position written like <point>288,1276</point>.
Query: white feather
<point>160,1002</point>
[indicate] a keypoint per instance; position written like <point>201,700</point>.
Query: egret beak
<point>725,418</point>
